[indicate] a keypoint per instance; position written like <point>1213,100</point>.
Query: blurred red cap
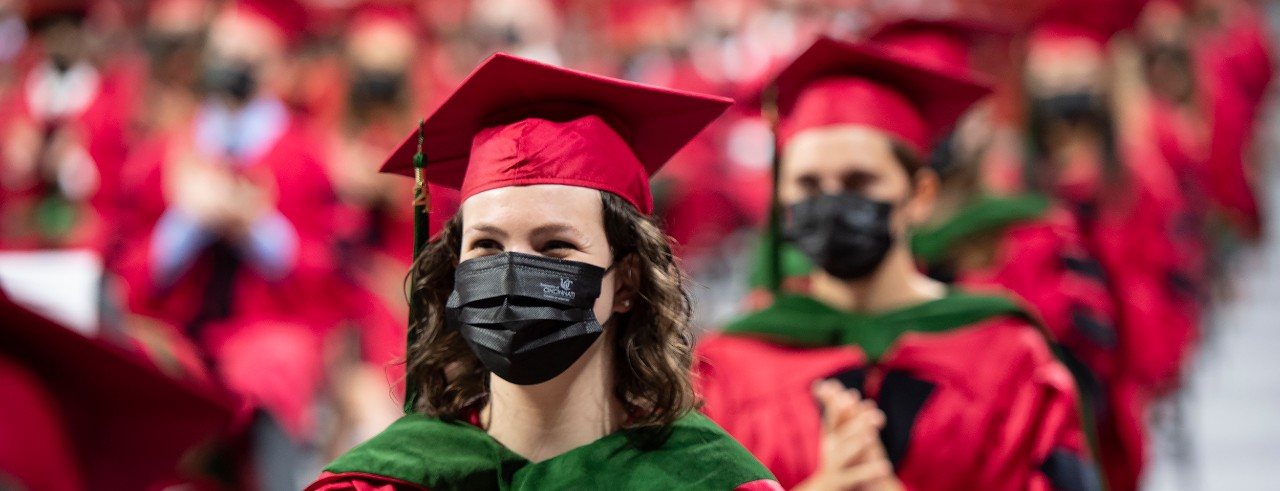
<point>835,82</point>
<point>36,11</point>
<point>129,424</point>
<point>517,122</point>
<point>374,12</point>
<point>289,17</point>
<point>1094,20</point>
<point>942,43</point>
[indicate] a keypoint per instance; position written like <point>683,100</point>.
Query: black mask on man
<point>527,318</point>
<point>237,80</point>
<point>1069,107</point>
<point>380,87</point>
<point>847,235</point>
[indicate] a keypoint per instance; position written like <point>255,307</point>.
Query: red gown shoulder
<point>355,481</point>
<point>987,404</point>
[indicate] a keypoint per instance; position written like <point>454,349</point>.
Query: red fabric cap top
<point>289,17</point>
<point>943,43</point>
<point>38,10</point>
<point>1093,20</point>
<point>516,122</point>
<point>834,83</point>
<point>129,424</point>
<point>373,14</point>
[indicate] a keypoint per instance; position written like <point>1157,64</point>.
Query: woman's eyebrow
<point>493,230</point>
<point>557,228</point>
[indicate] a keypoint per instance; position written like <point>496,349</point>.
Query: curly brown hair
<point>652,343</point>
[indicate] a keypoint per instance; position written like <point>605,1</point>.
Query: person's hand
<point>853,459</point>
<point>203,192</point>
<point>248,203</point>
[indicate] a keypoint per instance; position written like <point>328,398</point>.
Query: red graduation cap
<point>128,423</point>
<point>942,43</point>
<point>1084,20</point>
<point>835,82</point>
<point>289,17</point>
<point>516,122</point>
<point>375,13</point>
<point>42,10</point>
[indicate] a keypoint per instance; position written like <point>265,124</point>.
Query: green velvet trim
<point>441,455</point>
<point>986,214</point>
<point>792,262</point>
<point>804,321</point>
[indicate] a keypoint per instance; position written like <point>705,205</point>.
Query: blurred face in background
<point>244,57</point>
<point>175,39</point>
<point>1166,56</point>
<point>1069,119</point>
<point>526,28</point>
<point>379,53</point>
<point>62,37</point>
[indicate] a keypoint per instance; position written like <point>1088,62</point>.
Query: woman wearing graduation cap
<point>881,378</point>
<point>553,348</point>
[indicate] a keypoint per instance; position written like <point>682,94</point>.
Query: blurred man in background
<point>228,227</point>
<point>64,140</point>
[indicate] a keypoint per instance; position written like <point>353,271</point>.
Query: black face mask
<point>163,46</point>
<point>236,80</point>
<point>847,235</point>
<point>1071,107</point>
<point>528,318</point>
<point>377,86</point>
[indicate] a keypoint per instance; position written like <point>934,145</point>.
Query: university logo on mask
<point>563,292</point>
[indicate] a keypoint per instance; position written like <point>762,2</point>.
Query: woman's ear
<point>626,284</point>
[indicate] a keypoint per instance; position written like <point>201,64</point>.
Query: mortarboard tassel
<point>773,277</point>
<point>421,231</point>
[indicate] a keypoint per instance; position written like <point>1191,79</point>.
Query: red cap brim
<point>129,423</point>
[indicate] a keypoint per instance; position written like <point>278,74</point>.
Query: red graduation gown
<point>269,348</point>
<point>355,481</point>
<point>1134,235</point>
<point>102,130</point>
<point>983,406</point>
<point>1234,68</point>
<point>1046,263</point>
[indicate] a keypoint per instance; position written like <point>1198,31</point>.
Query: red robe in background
<point>1183,144</point>
<point>1045,262</point>
<point>974,397</point>
<point>1234,69</point>
<point>268,346</point>
<point>1135,234</point>
<point>86,121</point>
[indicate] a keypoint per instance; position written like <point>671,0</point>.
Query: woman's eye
<point>486,244</point>
<point>558,245</point>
